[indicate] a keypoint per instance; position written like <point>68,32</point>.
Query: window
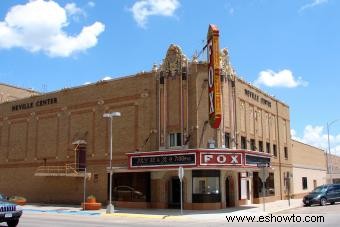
<point>252,145</point>
<point>132,187</point>
<point>227,140</point>
<point>304,183</point>
<point>337,188</point>
<point>274,150</point>
<point>269,185</point>
<point>243,143</point>
<point>175,139</point>
<point>206,186</point>
<point>161,80</point>
<point>286,152</point>
<point>260,146</point>
<point>268,148</point>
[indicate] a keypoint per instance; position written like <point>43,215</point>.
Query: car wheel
<point>323,201</point>
<point>12,223</point>
<point>307,205</point>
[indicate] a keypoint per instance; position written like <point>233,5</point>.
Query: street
<point>36,219</point>
<point>315,209</point>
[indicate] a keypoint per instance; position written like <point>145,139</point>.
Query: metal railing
<point>70,169</point>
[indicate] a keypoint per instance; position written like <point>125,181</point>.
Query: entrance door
<point>81,158</point>
<point>175,194</point>
<point>227,192</point>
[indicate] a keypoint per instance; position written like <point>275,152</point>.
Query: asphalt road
<point>329,213</point>
<point>315,209</point>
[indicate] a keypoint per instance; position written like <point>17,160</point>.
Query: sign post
<point>180,176</point>
<point>263,176</point>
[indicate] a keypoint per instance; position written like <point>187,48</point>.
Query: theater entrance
<point>174,198</point>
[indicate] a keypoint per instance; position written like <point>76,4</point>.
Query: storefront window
<point>269,185</point>
<point>132,187</point>
<point>206,186</point>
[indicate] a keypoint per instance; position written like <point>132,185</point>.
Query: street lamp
<point>110,207</point>
<point>330,167</point>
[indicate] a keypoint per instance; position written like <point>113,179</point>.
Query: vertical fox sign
<point>214,81</point>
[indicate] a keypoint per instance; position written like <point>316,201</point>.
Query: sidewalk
<point>253,209</point>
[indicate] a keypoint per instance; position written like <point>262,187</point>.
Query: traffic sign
<point>263,165</point>
<point>264,175</point>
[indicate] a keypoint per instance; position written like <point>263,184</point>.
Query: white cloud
<point>313,4</point>
<point>72,9</point>
<point>91,4</point>
<point>317,136</point>
<point>38,26</point>
<point>142,9</point>
<point>284,78</point>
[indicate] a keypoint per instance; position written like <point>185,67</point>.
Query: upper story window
<point>268,148</point>
<point>227,140</point>
<point>274,150</point>
<point>260,146</point>
<point>175,139</point>
<point>286,152</point>
<point>252,145</point>
<point>243,143</point>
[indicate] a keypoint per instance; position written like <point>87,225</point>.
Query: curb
<point>151,216</point>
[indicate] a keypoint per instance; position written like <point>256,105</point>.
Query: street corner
<point>148,216</point>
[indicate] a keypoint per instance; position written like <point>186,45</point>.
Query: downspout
<point>278,146</point>
<point>182,106</point>
<point>233,87</point>
<point>222,117</point>
<point>187,98</point>
<point>159,108</point>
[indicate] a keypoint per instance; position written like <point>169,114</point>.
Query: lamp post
<point>110,207</point>
<point>330,167</point>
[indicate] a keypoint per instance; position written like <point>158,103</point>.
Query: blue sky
<point>289,48</point>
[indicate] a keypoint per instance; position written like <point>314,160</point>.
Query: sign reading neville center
<point>38,103</point>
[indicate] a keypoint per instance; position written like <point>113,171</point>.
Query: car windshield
<point>320,189</point>
<point>2,197</point>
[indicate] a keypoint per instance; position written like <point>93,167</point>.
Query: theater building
<point>198,115</point>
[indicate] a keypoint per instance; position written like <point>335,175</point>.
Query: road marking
<point>69,212</point>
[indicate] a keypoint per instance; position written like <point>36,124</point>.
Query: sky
<point>288,48</point>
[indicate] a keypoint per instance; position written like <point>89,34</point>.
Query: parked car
<point>328,193</point>
<point>9,212</point>
<point>127,193</point>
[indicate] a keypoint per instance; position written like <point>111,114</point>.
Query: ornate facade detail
<point>226,66</point>
<point>174,61</point>
<point>154,68</point>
